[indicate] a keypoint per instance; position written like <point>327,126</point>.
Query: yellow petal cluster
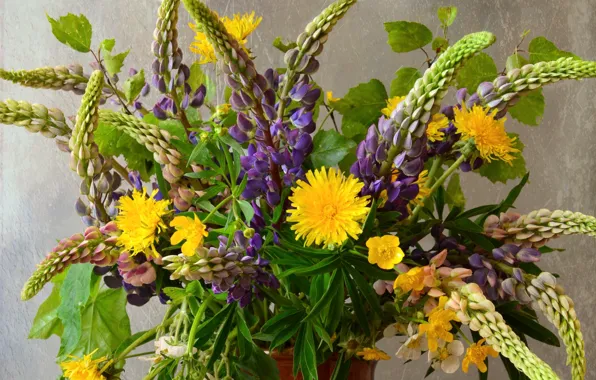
<point>384,251</point>
<point>392,104</point>
<point>373,354</point>
<point>477,354</point>
<point>437,328</point>
<point>191,230</point>
<point>411,280</point>
<point>433,131</point>
<point>83,368</point>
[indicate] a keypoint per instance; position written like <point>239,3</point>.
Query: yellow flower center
<point>329,212</point>
<point>443,353</point>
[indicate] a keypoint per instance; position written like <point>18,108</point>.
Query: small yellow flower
<point>330,97</point>
<point>223,109</point>
<point>476,354</point>
<point>489,134</point>
<point>327,208</point>
<point>423,190</point>
<point>84,368</point>
<point>392,104</point>
<point>239,27</point>
<point>438,327</point>
<point>433,131</point>
<point>411,280</point>
<point>441,306</point>
<point>384,251</point>
<point>191,230</point>
<point>140,220</point>
<point>375,354</point>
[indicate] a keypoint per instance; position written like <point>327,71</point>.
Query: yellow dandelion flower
<point>140,219</point>
<point>392,104</point>
<point>330,97</point>
<point>438,327</point>
<point>489,134</point>
<point>375,354</point>
<point>191,230</point>
<point>384,251</point>
<point>477,354</point>
<point>411,280</point>
<point>239,27</point>
<point>83,368</point>
<point>433,131</point>
<point>327,208</point>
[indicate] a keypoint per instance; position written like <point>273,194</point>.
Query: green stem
<point>196,322</point>
<point>219,205</point>
<point>139,354</point>
<point>121,170</point>
<point>437,163</point>
<point>461,333</point>
<point>180,317</point>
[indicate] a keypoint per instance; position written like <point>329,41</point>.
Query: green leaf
<point>342,368</point>
<point>198,77</point>
<point>107,44</point>
<point>74,31</point>
<point>363,103</point>
<point>515,61</point>
<point>247,210</point>
<point>336,281</point>
<point>366,289</point>
<point>283,47</point>
<point>114,63</point>
<point>305,352</point>
<point>440,44</point>
<point>454,193</point>
<point>286,331</point>
<point>513,195</point>
<point>464,225</point>
<point>207,328</point>
<point>530,108</point>
<point>480,68</point>
<point>405,36</point>
<point>132,86</point>
<point>222,336</point>
<point>329,148</point>
<point>541,49</point>
<point>326,265</point>
<point>447,15</point>
<point>404,81</point>
<point>46,322</point>
<point>357,304</point>
<point>499,171</point>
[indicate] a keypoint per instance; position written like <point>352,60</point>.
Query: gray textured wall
<point>37,189</point>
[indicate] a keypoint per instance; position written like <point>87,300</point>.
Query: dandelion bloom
<point>433,131</point>
<point>191,230</point>
<point>140,220</point>
<point>392,104</point>
<point>84,368</point>
<point>327,208</point>
<point>411,280</point>
<point>488,133</point>
<point>477,354</point>
<point>384,251</point>
<point>438,327</point>
<point>373,354</point>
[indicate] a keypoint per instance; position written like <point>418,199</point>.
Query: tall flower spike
<point>64,78</point>
<point>165,46</point>
<point>538,227</point>
<point>50,122</point>
<point>558,309</point>
<point>423,100</point>
<point>475,310</point>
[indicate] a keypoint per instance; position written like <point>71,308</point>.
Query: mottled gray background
<point>37,190</point>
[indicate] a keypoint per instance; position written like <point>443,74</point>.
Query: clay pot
<point>359,370</point>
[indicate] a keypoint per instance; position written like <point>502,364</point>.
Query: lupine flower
<point>477,354</point>
<point>191,230</point>
<point>239,27</point>
<point>382,286</point>
<point>384,251</point>
<point>488,133</point>
<point>164,347</point>
<point>135,270</point>
<point>392,104</point>
<point>373,354</point>
<point>413,346</point>
<point>83,368</point>
<point>447,356</point>
<point>140,219</point>
<point>327,208</point>
<point>434,130</point>
<point>438,327</point>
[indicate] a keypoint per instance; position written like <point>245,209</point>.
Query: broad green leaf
<point>336,281</point>
<point>353,129</point>
<point>46,320</point>
<point>440,44</point>
<point>404,80</point>
<point>107,44</point>
<point>530,108</point>
<point>499,171</point>
<point>132,86</point>
<point>247,210</point>
<point>447,15</point>
<point>515,61</point>
<point>329,148</point>
<point>405,36</point>
<point>74,31</point>
<point>480,68</point>
<point>541,49</point>
<point>258,366</point>
<point>455,195</point>
<point>198,77</point>
<point>363,103</point>
<point>114,63</point>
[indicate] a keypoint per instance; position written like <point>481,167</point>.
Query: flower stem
<point>219,205</point>
<point>461,333</point>
<point>139,354</point>
<point>437,163</point>
<point>196,322</point>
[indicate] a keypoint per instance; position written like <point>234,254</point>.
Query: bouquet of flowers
<point>265,232</point>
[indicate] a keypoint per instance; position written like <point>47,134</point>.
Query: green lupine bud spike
<point>168,55</point>
<point>56,78</point>
<point>538,227</point>
<point>50,122</point>
<point>424,98</point>
<point>558,309</point>
<point>476,311</point>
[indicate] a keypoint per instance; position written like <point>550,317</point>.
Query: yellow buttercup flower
<point>476,354</point>
<point>441,306</point>
<point>191,230</point>
<point>423,191</point>
<point>140,220</point>
<point>392,104</point>
<point>327,208</point>
<point>489,134</point>
<point>433,131</point>
<point>330,97</point>
<point>84,368</point>
<point>373,354</point>
<point>239,27</point>
<point>384,251</point>
<point>411,280</point>
<point>438,327</point>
